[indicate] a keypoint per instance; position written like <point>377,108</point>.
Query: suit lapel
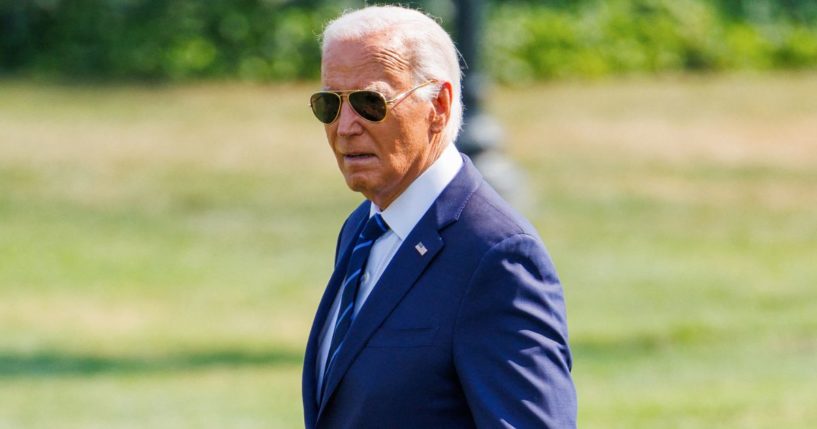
<point>402,272</point>
<point>309,376</point>
<point>405,268</point>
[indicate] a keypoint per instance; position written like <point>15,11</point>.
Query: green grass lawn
<point>163,249</point>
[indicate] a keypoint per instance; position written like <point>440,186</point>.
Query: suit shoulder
<point>490,218</point>
<point>352,222</point>
<point>359,214</point>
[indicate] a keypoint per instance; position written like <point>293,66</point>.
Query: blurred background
<point>169,207</point>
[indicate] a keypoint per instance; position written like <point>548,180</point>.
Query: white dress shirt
<point>401,216</point>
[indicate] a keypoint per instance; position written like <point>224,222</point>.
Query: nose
<point>348,120</point>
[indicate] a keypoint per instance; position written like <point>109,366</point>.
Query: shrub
<point>277,39</point>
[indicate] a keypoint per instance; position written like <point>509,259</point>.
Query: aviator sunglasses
<point>369,105</point>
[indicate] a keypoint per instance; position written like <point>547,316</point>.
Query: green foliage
<point>155,39</point>
<point>262,40</point>
<point>627,36</point>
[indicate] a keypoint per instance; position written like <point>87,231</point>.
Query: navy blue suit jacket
<point>470,334</point>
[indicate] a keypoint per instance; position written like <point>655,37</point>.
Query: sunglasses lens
<point>368,104</point>
<point>325,106</point>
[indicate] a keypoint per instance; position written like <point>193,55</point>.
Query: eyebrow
<point>370,87</point>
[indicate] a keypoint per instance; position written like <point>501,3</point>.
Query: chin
<point>357,183</point>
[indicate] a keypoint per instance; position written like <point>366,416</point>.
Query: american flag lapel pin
<point>421,248</point>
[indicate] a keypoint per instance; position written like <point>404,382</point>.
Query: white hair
<point>428,49</point>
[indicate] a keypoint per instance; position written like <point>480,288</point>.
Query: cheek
<point>398,156</point>
<point>330,138</point>
<point>410,147</point>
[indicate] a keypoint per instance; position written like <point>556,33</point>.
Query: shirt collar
<point>405,211</point>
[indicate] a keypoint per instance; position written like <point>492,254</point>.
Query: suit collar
<point>449,205</point>
<point>401,274</point>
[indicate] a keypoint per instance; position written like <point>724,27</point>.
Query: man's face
<point>379,159</point>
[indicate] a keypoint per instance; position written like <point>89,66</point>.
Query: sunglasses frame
<point>386,102</point>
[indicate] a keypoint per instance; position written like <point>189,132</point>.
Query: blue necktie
<point>374,228</point>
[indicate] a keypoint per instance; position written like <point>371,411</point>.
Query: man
<point>444,310</point>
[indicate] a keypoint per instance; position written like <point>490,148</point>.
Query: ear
<point>442,108</point>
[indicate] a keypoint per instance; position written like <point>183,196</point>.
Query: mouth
<point>358,156</point>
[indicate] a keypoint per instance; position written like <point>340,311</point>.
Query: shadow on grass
<point>52,364</point>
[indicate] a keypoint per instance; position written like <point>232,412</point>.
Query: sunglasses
<point>369,105</point>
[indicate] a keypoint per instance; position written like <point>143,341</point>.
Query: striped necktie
<point>374,228</point>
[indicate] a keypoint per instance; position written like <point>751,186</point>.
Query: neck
<point>382,201</point>
<point>422,165</point>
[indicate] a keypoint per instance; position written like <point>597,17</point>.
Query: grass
<point>162,249</point>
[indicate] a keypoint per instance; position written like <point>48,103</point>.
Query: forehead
<point>371,62</point>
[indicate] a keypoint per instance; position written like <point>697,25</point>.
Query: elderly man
<point>444,310</point>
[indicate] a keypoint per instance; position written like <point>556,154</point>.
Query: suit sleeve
<point>510,342</point>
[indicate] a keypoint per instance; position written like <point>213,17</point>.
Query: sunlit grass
<point>162,250</point>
